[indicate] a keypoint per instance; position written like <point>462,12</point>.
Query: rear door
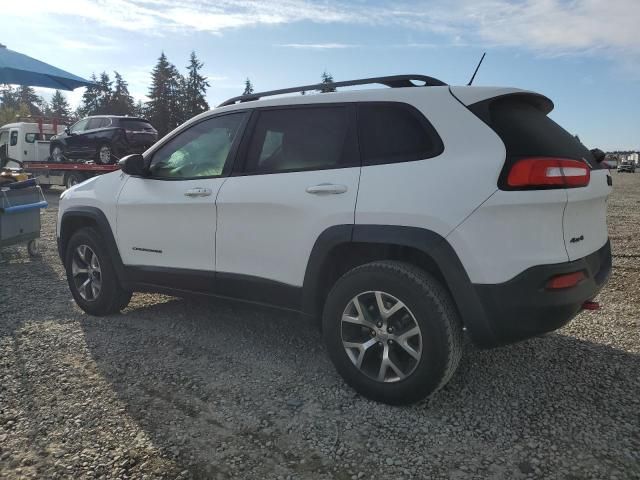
<point>300,177</point>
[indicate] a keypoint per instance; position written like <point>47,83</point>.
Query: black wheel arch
<point>83,216</point>
<point>342,247</point>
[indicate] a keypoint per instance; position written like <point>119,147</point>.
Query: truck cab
<point>28,141</point>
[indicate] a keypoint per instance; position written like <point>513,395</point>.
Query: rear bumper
<point>522,307</point>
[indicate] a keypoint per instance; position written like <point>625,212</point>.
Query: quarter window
<point>307,138</point>
<point>200,151</point>
<point>391,133</point>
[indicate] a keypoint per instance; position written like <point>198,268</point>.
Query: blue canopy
<point>19,69</point>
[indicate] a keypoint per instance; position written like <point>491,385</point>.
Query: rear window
<point>391,133</point>
<point>526,130</point>
<point>135,124</point>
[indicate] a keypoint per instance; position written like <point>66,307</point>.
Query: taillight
<point>548,172</point>
<point>566,280</point>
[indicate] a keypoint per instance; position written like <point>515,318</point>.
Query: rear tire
<point>417,330</point>
<point>91,275</point>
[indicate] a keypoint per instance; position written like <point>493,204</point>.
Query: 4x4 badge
<point>577,239</point>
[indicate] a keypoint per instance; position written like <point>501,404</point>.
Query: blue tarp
<point>19,69</point>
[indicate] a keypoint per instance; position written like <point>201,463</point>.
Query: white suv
<point>399,216</point>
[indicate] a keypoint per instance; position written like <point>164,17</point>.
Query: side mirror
<point>68,131</point>
<point>598,155</point>
<point>135,165</point>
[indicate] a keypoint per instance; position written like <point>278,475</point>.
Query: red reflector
<point>566,280</point>
<point>548,172</point>
<point>591,306</point>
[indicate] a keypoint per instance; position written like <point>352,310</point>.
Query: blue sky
<point>583,54</point>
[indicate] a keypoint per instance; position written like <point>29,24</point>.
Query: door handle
<point>327,188</point>
<point>198,192</point>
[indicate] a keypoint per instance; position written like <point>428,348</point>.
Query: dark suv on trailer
<point>104,138</point>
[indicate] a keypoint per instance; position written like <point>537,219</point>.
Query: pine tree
<point>104,95</point>
<point>90,99</point>
<point>163,109</point>
<point>140,109</point>
<point>59,107</point>
<point>121,101</point>
<point>327,78</point>
<point>9,98</point>
<point>194,89</point>
<point>248,87</point>
<point>27,96</point>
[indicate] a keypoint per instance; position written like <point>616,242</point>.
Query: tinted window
<point>526,130</point>
<point>391,133</point>
<point>301,139</point>
<point>98,123</point>
<point>14,138</point>
<point>131,124</point>
<point>79,126</point>
<point>199,151</point>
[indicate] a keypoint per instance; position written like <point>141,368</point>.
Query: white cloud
<point>549,27</point>
<point>318,46</point>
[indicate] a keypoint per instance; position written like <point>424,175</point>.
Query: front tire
<point>57,153</point>
<point>91,276</point>
<point>392,331</point>
<point>73,178</point>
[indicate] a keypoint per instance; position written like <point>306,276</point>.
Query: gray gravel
<point>177,388</point>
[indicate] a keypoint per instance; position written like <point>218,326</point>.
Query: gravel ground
<point>177,388</point>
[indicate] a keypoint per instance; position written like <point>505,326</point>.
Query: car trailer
<point>66,174</point>
<point>20,204</point>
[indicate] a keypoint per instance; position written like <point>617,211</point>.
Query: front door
<point>300,177</point>
<point>168,221</point>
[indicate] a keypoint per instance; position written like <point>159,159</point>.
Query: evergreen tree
<point>59,107</point>
<point>327,78</point>
<point>9,98</point>
<point>90,99</point>
<point>104,95</point>
<point>194,89</point>
<point>121,101</point>
<point>163,108</point>
<point>27,96</point>
<point>248,87</point>
<point>140,109</point>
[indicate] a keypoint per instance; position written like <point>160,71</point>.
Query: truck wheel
<point>392,332</point>
<point>72,179</point>
<point>104,154</point>
<point>57,153</point>
<point>91,275</point>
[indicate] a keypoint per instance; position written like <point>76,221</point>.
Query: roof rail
<point>393,81</point>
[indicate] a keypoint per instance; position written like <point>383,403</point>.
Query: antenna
<point>476,70</point>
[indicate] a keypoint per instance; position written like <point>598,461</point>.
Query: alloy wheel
<point>57,155</point>
<point>86,273</point>
<point>105,154</point>
<point>381,336</point>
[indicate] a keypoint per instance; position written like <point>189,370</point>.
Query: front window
<point>200,151</point>
<point>14,138</point>
<point>79,126</point>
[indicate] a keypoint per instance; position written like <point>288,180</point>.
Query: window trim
<point>427,126</point>
<point>233,151</point>
<point>239,169</point>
